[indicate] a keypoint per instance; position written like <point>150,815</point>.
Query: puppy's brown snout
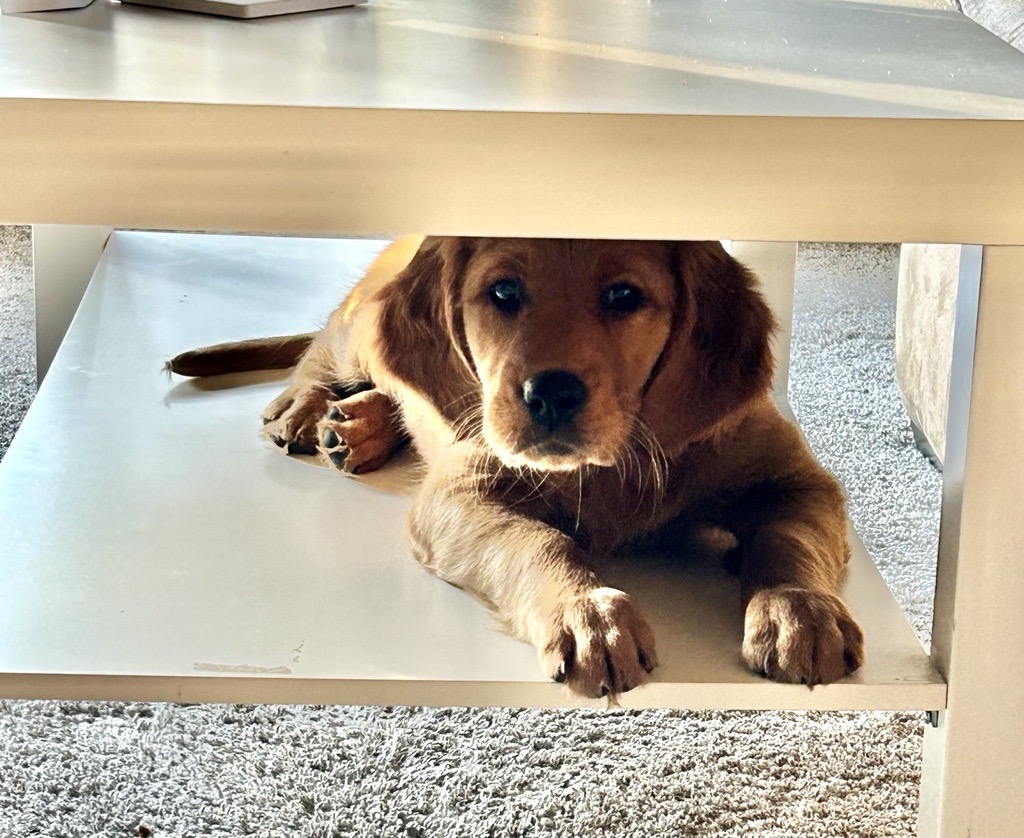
<point>553,397</point>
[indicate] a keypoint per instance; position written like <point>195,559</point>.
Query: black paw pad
<point>338,457</point>
<point>330,439</point>
<point>300,448</point>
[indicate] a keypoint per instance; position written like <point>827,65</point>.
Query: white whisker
<point>643,438</point>
<point>579,501</point>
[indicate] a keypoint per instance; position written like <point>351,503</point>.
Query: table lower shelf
<point>155,547</point>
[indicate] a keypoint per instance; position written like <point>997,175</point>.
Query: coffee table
<point>760,121</point>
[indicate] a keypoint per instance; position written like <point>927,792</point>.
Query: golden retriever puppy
<point>568,397</point>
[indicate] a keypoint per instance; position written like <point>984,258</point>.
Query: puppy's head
<point>568,350</point>
<point>564,336</point>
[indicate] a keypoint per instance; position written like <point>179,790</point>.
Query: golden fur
<point>659,416</point>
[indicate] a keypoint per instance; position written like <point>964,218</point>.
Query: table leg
<point>974,759</point>
<point>775,264</point>
<point>63,259</point>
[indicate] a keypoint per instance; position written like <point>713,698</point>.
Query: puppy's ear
<point>718,356</point>
<point>421,338</point>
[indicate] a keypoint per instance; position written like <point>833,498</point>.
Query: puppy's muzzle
<point>553,398</point>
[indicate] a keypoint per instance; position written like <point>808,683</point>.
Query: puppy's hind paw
<point>361,432</point>
<point>290,420</point>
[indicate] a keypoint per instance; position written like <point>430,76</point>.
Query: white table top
<point>154,546</point>
<point>722,57</point>
<point>774,120</point>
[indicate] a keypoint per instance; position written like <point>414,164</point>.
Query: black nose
<point>553,397</point>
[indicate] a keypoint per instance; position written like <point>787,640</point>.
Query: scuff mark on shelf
<point>244,669</point>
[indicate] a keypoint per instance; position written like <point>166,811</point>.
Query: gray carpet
<point>116,770</point>
<point>1003,17</point>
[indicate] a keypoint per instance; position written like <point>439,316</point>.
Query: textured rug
<point>101,769</point>
<point>1003,17</point>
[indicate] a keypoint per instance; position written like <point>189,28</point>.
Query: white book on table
<point>248,8</point>
<point>20,7</point>
<point>224,8</point>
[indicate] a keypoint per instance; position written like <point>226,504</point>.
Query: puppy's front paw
<point>360,433</point>
<point>599,644</point>
<point>801,636</point>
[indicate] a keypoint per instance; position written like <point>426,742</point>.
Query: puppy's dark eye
<point>621,298</point>
<point>507,294</point>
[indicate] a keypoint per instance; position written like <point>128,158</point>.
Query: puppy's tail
<point>260,354</point>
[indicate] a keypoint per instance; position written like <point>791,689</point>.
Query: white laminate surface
<point>760,120</point>
<point>718,57</point>
<point>154,546</point>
